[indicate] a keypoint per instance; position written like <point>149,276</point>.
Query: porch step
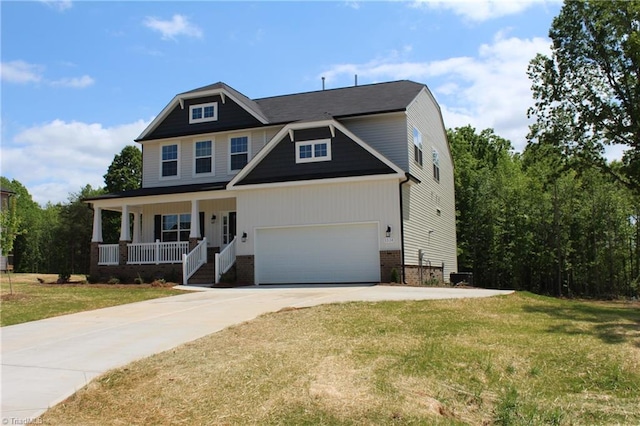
<point>205,275</point>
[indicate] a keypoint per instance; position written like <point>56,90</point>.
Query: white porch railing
<point>108,254</point>
<point>225,259</point>
<point>156,253</point>
<point>194,260</point>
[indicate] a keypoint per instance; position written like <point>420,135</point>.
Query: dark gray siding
<point>230,116</point>
<point>348,159</point>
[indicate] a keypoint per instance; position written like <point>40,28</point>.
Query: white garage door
<point>318,254</point>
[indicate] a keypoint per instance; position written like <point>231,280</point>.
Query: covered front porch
<point>170,236</point>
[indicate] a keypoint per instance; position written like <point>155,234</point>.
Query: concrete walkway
<point>46,361</point>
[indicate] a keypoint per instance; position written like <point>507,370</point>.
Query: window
<point>203,112</point>
<point>169,160</point>
<point>176,227</point>
<point>312,151</point>
<point>417,146</point>
<point>436,165</point>
<point>238,152</point>
<point>203,158</point>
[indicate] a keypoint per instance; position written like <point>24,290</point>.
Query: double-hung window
<point>176,227</point>
<point>312,151</point>
<point>436,165</point>
<point>202,113</point>
<point>169,166</point>
<point>203,158</point>
<point>238,152</point>
<point>417,146</point>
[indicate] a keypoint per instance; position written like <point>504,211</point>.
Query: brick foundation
<point>429,273</point>
<point>171,272</point>
<point>390,259</point>
<point>245,267</point>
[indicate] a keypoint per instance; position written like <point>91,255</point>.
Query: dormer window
<point>202,113</point>
<point>313,151</point>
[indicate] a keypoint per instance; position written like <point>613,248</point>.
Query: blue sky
<point>82,79</point>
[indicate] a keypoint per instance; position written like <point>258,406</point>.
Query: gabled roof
<point>309,106</point>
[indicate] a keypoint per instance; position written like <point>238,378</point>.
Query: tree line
<point>556,219</point>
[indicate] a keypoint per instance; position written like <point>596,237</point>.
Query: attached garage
<point>345,253</point>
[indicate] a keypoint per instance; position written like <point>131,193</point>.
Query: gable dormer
<point>209,109</point>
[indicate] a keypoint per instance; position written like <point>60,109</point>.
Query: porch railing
<point>225,259</point>
<point>192,261</point>
<point>108,254</point>
<point>156,253</point>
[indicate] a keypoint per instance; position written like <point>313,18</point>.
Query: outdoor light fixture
<point>213,218</point>
<point>388,231</point>
<point>244,237</point>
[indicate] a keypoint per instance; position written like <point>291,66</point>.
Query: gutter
<point>408,177</point>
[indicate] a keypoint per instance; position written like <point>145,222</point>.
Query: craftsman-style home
<point>347,185</point>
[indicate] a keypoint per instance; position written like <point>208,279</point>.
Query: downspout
<point>407,178</point>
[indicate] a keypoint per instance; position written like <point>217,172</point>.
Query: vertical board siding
<point>373,201</point>
<point>423,200</point>
<point>385,133</point>
<point>220,148</point>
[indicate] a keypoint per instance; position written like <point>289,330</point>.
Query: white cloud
<point>60,5</point>
<point>489,90</point>
<point>20,72</point>
<point>178,25</point>
<point>479,10</point>
<point>74,82</point>
<point>57,158</point>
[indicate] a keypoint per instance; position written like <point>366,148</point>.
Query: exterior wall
<point>171,272</point>
<point>422,201</point>
<point>245,268</point>
<point>412,274</point>
<point>389,260</point>
<point>370,201</point>
<point>386,133</point>
<point>213,232</point>
<point>151,157</point>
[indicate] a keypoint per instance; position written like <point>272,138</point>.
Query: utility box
<point>461,278</point>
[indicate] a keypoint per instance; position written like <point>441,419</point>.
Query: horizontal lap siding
<point>422,200</point>
<point>151,157</point>
<point>385,133</point>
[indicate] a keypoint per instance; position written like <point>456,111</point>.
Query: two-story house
<point>332,186</point>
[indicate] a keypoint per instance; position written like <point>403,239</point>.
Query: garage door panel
<point>318,254</point>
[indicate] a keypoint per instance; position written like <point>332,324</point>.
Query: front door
<point>228,227</point>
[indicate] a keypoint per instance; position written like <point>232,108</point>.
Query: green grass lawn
<point>511,360</point>
<point>32,300</point>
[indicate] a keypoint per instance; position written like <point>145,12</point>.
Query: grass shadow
<point>611,322</point>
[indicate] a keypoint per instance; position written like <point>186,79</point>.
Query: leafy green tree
<point>587,94</point>
<point>125,171</point>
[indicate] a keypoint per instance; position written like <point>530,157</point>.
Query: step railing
<point>225,259</point>
<point>193,260</point>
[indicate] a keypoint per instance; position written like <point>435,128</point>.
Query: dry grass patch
<point>519,359</point>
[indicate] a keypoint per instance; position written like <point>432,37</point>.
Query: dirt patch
<point>13,297</point>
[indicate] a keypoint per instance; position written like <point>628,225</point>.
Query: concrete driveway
<point>46,361</point>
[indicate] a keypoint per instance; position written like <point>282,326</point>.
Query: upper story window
<point>312,151</point>
<point>238,152</point>
<point>436,165</point>
<point>203,112</point>
<point>203,158</point>
<point>417,146</point>
<point>169,167</point>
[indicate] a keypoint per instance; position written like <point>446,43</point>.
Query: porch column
<point>125,233</point>
<point>97,225</point>
<point>136,227</point>
<point>195,220</point>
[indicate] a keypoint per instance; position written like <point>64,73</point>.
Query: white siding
<point>385,133</point>
<point>372,201</point>
<point>422,200</point>
<point>151,157</point>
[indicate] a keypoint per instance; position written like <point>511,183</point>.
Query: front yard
<point>514,360</point>
<point>32,300</point>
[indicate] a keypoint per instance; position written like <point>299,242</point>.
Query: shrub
<point>395,277</point>
<point>113,280</point>
<point>138,280</point>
